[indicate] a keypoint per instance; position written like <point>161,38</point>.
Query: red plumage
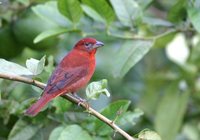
<point>73,72</point>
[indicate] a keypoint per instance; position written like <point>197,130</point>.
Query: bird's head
<point>89,45</point>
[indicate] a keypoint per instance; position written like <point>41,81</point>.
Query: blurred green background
<point>150,59</point>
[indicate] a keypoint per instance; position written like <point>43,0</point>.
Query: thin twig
<point>71,99</point>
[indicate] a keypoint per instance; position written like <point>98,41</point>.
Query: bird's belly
<point>81,82</point>
<point>78,85</point>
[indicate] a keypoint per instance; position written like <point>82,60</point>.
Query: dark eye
<point>87,44</point>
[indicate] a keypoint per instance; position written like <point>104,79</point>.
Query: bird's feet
<point>82,101</point>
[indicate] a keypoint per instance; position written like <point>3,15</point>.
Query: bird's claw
<point>79,103</point>
<point>87,105</point>
<point>82,101</point>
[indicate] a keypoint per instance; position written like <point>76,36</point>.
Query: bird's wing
<point>62,78</point>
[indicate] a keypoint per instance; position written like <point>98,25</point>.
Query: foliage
<point>151,61</point>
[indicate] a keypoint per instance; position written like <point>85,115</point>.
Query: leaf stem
<point>71,99</point>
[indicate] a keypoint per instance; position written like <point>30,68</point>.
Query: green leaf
<point>170,112</point>
<point>194,16</point>
<point>144,3</point>
<point>36,66</point>
<point>156,22</point>
<point>23,129</point>
<point>127,11</point>
<point>194,55</point>
<point>7,107</point>
<point>130,117</point>
<point>19,109</point>
<point>162,40</point>
<point>50,66</point>
<point>13,68</point>
<point>102,138</point>
<point>49,33</point>
<point>72,132</point>
<point>24,2</point>
<point>38,136</point>
<point>190,130</point>
<point>111,113</point>
<point>128,55</point>
<point>71,9</point>
<point>115,31</point>
<point>92,13</point>
<point>148,135</point>
<point>178,12</point>
<point>95,89</point>
<point>61,105</point>
<point>49,10</point>
<point>102,8</point>
<point>56,133</point>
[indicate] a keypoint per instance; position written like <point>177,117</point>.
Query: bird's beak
<point>98,44</point>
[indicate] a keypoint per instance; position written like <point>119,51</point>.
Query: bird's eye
<point>87,44</point>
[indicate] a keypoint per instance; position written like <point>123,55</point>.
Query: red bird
<point>73,72</point>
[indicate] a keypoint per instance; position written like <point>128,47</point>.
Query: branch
<point>73,100</point>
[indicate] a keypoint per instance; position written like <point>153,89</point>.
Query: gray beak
<point>98,44</point>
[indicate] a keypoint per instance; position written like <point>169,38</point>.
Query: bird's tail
<point>36,107</point>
